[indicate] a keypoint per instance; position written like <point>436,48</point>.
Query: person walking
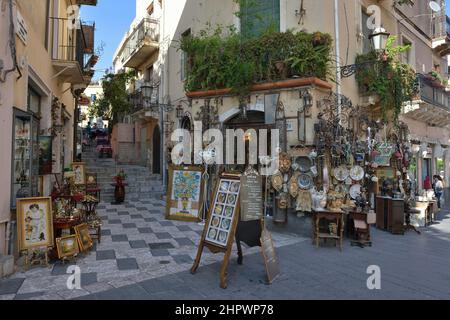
<point>438,189</point>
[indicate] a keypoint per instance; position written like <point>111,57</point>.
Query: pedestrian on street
<point>438,188</point>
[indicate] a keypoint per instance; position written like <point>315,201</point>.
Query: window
<point>367,46</point>
<point>407,56</point>
<point>184,58</point>
<point>34,102</point>
<point>258,16</point>
<point>149,74</point>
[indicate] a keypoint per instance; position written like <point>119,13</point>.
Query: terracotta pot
<point>119,193</point>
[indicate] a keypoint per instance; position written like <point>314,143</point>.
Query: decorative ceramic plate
<point>304,164</point>
<point>222,237</point>
<point>215,222</point>
<point>357,173</point>
<point>234,187</point>
<point>226,223</point>
<point>293,187</point>
<point>341,173</point>
<point>224,186</point>
<point>222,197</point>
<point>305,181</point>
<point>355,191</point>
<point>212,234</point>
<point>277,181</point>
<point>228,211</point>
<point>218,209</point>
<point>231,199</point>
<point>285,162</point>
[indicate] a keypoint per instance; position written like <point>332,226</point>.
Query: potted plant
<point>119,191</point>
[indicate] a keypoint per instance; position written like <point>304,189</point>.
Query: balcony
<point>143,107</point>
<point>86,2</point>
<point>72,46</point>
<point>141,44</point>
<point>432,104</point>
<point>441,38</point>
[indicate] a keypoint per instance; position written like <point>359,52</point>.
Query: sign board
<point>185,193</point>
<point>270,258</point>
<point>251,197</point>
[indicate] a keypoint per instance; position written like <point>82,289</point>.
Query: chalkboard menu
<point>251,197</point>
<point>270,258</point>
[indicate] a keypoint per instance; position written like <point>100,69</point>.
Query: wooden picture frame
<point>35,223</point>
<point>91,179</point>
<point>67,246</point>
<point>84,238</point>
<point>223,224</point>
<point>385,173</point>
<point>185,193</point>
<point>79,172</point>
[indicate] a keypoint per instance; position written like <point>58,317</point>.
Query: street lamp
<point>379,39</point>
<point>150,95</point>
<point>307,98</point>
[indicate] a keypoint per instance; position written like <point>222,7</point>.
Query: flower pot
<point>281,69</point>
<point>318,39</point>
<point>119,193</point>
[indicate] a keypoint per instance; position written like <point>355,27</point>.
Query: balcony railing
<point>69,42</point>
<point>432,93</point>
<point>142,42</point>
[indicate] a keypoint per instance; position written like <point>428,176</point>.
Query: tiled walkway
<point>137,244</point>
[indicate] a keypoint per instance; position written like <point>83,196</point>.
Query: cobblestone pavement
<point>137,244</point>
<point>412,267</point>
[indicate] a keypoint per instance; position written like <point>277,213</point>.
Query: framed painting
<point>79,172</point>
<point>84,238</point>
<point>224,213</point>
<point>35,223</point>
<point>67,246</point>
<point>185,193</point>
<point>91,179</point>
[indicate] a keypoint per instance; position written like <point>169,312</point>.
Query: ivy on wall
<point>219,60</point>
<point>393,81</point>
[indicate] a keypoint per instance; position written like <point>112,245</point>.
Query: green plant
<point>389,78</point>
<point>227,60</point>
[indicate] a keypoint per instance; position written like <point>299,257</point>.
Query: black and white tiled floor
<point>137,244</point>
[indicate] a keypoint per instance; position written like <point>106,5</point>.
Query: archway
<point>156,151</point>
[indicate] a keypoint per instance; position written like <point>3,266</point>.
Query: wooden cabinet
<point>390,214</point>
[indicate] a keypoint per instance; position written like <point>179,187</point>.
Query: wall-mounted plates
<point>341,173</point>
<point>277,181</point>
<point>305,181</point>
<point>355,191</point>
<point>357,173</point>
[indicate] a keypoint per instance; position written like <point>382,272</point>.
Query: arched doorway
<point>156,150</point>
<point>186,123</point>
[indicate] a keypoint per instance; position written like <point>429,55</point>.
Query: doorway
<point>144,146</point>
<point>156,150</point>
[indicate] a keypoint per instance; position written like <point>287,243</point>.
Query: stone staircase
<point>142,185</point>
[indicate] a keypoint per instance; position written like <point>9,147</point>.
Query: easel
<point>215,248</point>
<point>41,259</point>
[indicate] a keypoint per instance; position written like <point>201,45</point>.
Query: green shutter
<point>258,16</point>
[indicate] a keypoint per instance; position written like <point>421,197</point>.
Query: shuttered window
<point>258,16</point>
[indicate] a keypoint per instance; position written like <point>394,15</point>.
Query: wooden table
<point>331,216</point>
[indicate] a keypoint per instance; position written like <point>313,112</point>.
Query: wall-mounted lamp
<point>307,100</point>
<point>180,111</point>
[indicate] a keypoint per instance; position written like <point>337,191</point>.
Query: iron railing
<point>147,29</point>
<point>68,41</point>
<point>432,93</point>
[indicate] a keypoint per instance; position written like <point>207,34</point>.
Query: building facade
<point>44,68</point>
<point>152,47</point>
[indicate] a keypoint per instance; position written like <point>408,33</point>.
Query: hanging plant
<point>390,79</point>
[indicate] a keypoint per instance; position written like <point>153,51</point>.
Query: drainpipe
<point>338,56</point>
<point>75,129</point>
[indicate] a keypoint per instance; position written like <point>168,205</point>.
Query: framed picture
<point>91,178</point>
<point>382,160</point>
<point>224,212</point>
<point>67,246</point>
<point>35,223</point>
<point>78,169</point>
<point>185,193</point>
<point>385,173</point>
<point>45,155</point>
<point>84,238</point>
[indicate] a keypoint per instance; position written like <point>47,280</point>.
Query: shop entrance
<point>144,146</point>
<point>254,120</point>
<point>156,151</point>
<point>426,169</point>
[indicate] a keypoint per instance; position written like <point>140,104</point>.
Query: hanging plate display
<point>285,162</point>
<point>341,173</point>
<point>355,191</point>
<point>357,173</point>
<point>293,187</point>
<point>304,164</point>
<point>305,181</point>
<point>277,181</point>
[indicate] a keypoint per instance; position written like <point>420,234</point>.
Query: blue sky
<point>112,19</point>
